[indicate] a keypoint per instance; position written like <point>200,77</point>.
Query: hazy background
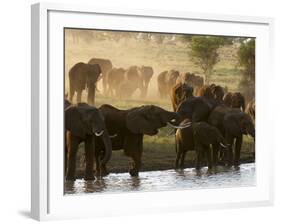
<point>161,51</point>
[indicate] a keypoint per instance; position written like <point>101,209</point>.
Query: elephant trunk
<point>107,146</point>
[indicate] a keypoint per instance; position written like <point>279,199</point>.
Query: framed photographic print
<point>137,111</point>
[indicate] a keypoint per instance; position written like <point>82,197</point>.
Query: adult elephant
<point>233,124</point>
<point>83,123</point>
<point>166,80</point>
<point>129,126</point>
<point>115,77</point>
<point>146,73</point>
<point>251,109</point>
<point>234,100</point>
<point>82,76</point>
<point>106,66</point>
<point>179,93</point>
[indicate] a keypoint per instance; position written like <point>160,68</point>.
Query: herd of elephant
<point>207,119</point>
<point>119,82</point>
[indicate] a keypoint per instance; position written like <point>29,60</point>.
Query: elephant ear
<point>74,122</point>
<point>137,121</point>
<point>232,124</point>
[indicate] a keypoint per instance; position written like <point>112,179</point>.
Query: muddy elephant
<point>146,73</point>
<point>106,66</point>
<point>166,80</point>
<point>251,109</point>
<point>179,93</point>
<point>234,100</point>
<point>84,123</point>
<point>115,77</point>
<point>205,136</point>
<point>233,124</point>
<point>129,126</point>
<point>82,76</point>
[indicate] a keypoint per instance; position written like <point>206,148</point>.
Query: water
<point>167,180</point>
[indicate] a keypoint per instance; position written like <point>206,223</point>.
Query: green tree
<point>246,55</point>
<point>204,52</point>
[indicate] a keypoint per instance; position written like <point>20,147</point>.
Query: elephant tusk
<point>180,126</point>
<point>113,136</point>
<point>99,133</point>
<point>224,146</point>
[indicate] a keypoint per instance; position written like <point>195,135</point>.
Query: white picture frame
<point>48,201</point>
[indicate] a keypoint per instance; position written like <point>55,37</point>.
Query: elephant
<point>179,93</point>
<point>129,126</point>
<point>82,76</point>
<point>85,123</point>
<point>106,66</point>
<point>234,100</point>
<point>212,91</point>
<point>115,77</point>
<point>191,79</point>
<point>196,108</point>
<point>205,135</point>
<point>251,109</point>
<point>205,91</point>
<point>166,80</point>
<point>146,73</point>
<point>233,124</point>
<point>131,83</point>
<point>217,92</point>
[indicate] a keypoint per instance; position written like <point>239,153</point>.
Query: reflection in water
<point>167,180</point>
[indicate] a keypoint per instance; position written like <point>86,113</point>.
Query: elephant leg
<point>79,93</point>
<point>101,170</point>
<point>229,140</point>
<point>238,144</point>
<point>178,151</point>
<point>71,94</point>
<point>104,84</point>
<point>182,159</point>
<point>72,152</point>
<point>215,148</point>
<point>134,171</point>
<point>198,156</point>
<point>89,154</point>
<point>209,156</point>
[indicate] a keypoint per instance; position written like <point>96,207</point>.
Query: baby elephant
<point>205,135</point>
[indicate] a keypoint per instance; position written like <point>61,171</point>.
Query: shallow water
<point>189,178</point>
